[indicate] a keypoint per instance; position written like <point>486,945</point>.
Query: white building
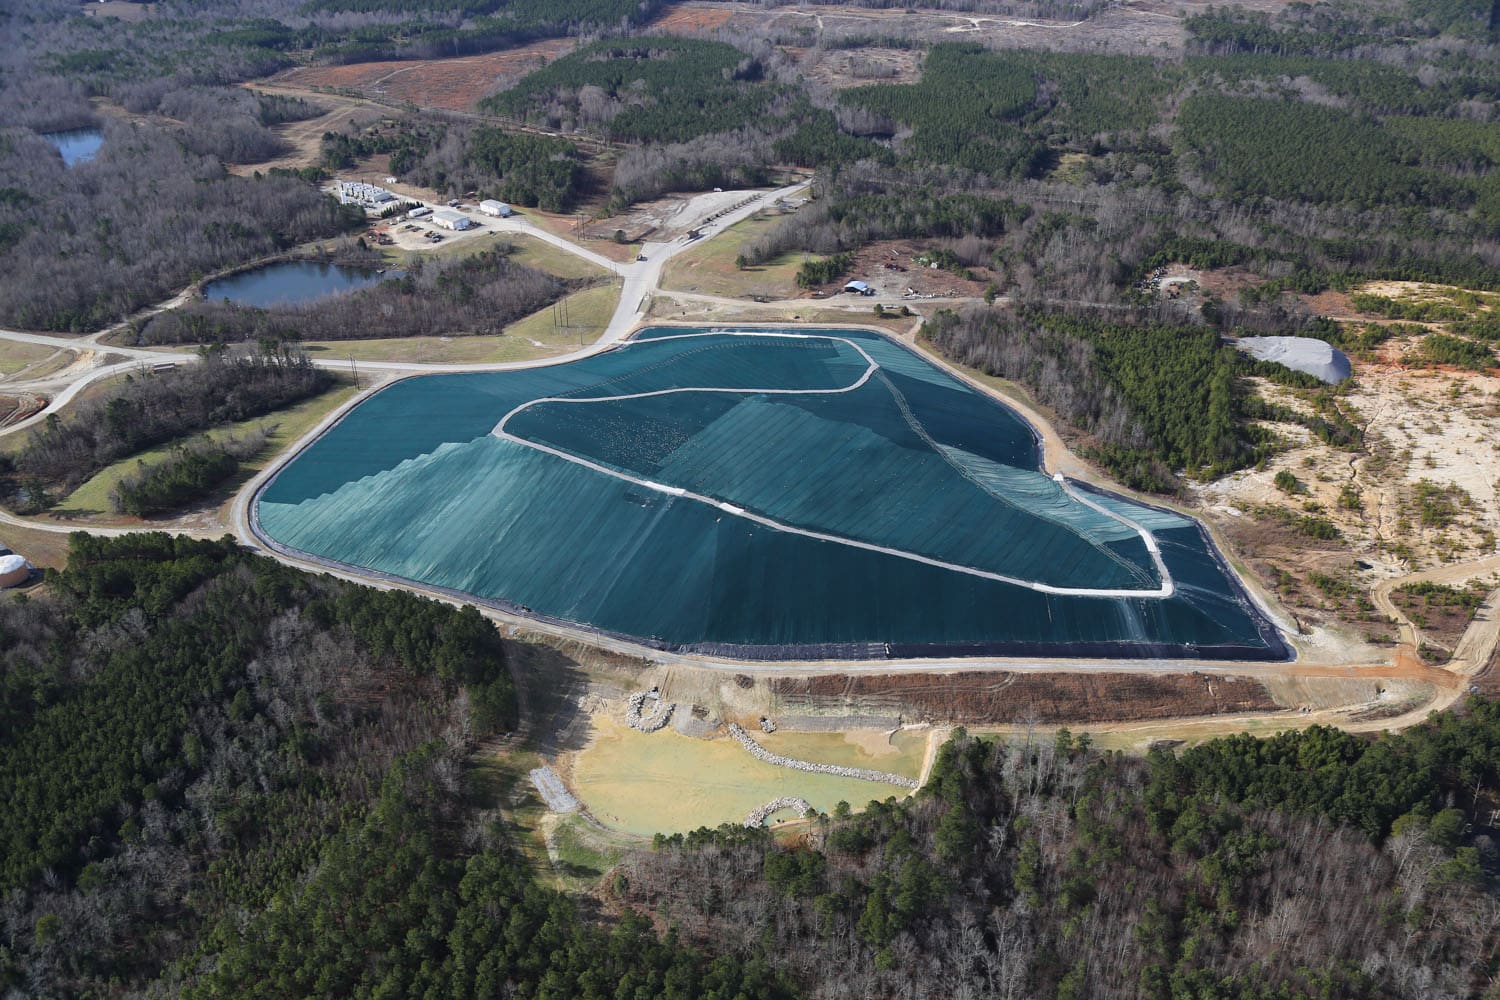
<point>492,207</point>
<point>449,219</point>
<point>359,193</point>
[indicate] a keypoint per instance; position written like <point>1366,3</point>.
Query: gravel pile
<point>661,713</point>
<point>550,787</point>
<point>760,814</point>
<point>761,753</point>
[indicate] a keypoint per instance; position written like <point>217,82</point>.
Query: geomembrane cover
<point>797,493</point>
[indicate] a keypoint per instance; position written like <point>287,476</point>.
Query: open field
<point>539,335</point>
<point>16,357</point>
<point>545,257</point>
<point>710,267</point>
<point>446,84</point>
<point>665,782</point>
<point>89,503</point>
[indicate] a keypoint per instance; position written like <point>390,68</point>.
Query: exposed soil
<point>685,20</point>
<point>840,68</point>
<point>1443,622</point>
<point>891,268</point>
<point>974,698</point>
<point>449,84</point>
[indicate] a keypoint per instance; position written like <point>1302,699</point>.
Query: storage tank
<point>14,570</point>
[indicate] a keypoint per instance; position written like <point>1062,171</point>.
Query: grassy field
<point>536,336</point>
<point>46,549</point>
<point>91,500</point>
<point>554,260</point>
<point>710,268</point>
<point>530,251</point>
<point>14,355</point>
<point>666,782</point>
<point>901,754</point>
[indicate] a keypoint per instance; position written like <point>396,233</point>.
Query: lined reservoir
<point>76,145</point>
<point>765,494</point>
<point>294,282</point>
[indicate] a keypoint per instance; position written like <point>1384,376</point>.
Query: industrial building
<point>449,219</point>
<point>497,208</point>
<point>362,194</point>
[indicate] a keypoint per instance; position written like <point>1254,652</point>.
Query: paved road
<point>640,279</point>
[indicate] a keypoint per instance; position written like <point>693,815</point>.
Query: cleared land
<point>710,267</point>
<point>447,84</point>
<point>16,357</point>
<point>666,782</point>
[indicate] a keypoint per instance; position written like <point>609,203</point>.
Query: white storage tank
<point>14,570</point>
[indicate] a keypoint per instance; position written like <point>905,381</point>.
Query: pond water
<point>797,493</point>
<point>76,145</point>
<point>294,282</point>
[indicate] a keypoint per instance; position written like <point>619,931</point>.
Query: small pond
<point>294,282</point>
<point>76,145</point>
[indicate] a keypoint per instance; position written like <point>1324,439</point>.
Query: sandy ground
<point>1437,426</point>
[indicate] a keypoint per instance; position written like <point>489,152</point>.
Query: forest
<point>85,246</point>
<point>456,158</point>
<point>193,470</point>
<point>479,294</point>
<point>151,408</point>
<point>231,778</point>
<point>1310,864</point>
<point>1153,399</point>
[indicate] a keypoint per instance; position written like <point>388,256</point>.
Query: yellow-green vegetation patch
<point>544,256</point>
<point>664,782</point>
<point>1072,168</point>
<point>581,852</point>
<point>91,500</point>
<point>574,321</point>
<point>900,753</point>
<point>427,350</point>
<point>712,268</point>
<point>15,355</point>
<point>46,549</point>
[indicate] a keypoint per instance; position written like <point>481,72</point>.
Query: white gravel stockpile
<point>1304,354</point>
<point>550,787</point>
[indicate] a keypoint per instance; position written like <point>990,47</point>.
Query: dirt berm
<point>982,697</point>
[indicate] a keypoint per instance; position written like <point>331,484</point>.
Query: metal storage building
<point>492,207</point>
<point>449,219</point>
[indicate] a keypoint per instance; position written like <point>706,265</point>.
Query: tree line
<point>151,408</point>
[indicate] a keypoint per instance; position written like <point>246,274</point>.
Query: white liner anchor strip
<point>1166,589</point>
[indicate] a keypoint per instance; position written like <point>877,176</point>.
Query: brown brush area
<point>983,697</point>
